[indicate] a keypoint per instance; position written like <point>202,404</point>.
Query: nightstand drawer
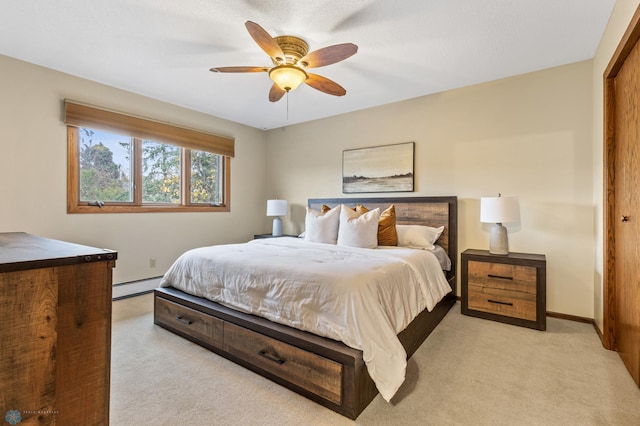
<point>515,304</point>
<point>503,276</point>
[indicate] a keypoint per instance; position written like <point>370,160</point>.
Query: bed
<point>319,364</point>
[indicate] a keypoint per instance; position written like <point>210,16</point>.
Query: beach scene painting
<point>387,168</point>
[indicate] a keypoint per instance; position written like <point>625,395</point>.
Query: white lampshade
<point>276,207</point>
<point>499,209</point>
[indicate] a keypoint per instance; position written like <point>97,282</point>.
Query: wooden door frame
<point>628,41</point>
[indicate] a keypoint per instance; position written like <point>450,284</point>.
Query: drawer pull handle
<point>271,356</point>
<point>499,276</point>
<point>183,320</point>
<point>499,302</point>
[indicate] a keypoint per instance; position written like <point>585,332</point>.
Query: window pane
<point>105,166</point>
<point>160,173</point>
<point>206,178</point>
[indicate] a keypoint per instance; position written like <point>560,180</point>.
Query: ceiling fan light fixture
<point>287,77</point>
<point>290,56</point>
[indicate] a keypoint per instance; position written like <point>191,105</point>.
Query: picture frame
<point>385,168</point>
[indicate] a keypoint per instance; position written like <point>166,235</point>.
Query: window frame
<point>74,205</point>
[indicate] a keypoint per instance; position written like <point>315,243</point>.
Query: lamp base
<point>277,227</point>
<point>499,243</point>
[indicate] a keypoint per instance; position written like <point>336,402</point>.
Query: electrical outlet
<point>152,262</point>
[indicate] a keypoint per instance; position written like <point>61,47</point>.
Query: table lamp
<point>499,210</point>
<point>277,208</point>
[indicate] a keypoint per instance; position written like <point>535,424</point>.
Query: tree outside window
<point>103,176</point>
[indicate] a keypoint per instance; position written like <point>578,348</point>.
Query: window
<point>119,163</point>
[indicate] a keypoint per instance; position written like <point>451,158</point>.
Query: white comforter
<point>362,297</point>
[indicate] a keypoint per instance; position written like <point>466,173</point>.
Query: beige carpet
<point>469,372</point>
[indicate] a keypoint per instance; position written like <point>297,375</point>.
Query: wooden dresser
<point>55,333</point>
<point>508,288</point>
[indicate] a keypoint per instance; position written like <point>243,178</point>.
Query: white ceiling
<point>407,48</point>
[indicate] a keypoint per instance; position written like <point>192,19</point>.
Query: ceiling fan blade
<point>328,55</point>
<point>239,69</point>
<point>276,93</point>
<point>325,85</point>
<point>265,41</point>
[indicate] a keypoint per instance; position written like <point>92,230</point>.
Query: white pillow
<point>418,236</point>
<point>322,228</point>
<point>358,230</point>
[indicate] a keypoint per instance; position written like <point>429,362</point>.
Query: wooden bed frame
<point>321,369</point>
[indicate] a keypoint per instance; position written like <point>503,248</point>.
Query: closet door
<point>627,212</point>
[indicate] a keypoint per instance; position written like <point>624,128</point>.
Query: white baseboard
<point>134,288</point>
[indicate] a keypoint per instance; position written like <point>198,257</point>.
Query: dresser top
<point>20,251</point>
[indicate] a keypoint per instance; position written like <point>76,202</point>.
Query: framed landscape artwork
<point>387,168</point>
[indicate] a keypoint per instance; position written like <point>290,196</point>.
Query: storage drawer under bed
<point>307,370</point>
<point>189,321</point>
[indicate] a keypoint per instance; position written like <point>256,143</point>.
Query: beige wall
<point>618,23</point>
<point>33,166</point>
<point>529,136</point>
<point>538,136</point>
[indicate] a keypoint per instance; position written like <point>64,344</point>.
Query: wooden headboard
<point>429,211</point>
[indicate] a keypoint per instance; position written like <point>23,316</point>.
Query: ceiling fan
<point>291,60</point>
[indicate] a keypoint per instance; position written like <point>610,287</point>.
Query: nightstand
<point>508,288</point>
<point>258,236</point>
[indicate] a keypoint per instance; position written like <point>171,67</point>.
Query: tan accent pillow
<point>387,235</point>
<point>325,208</point>
<point>360,209</point>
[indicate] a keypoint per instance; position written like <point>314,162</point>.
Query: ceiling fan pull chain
<point>287,105</point>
